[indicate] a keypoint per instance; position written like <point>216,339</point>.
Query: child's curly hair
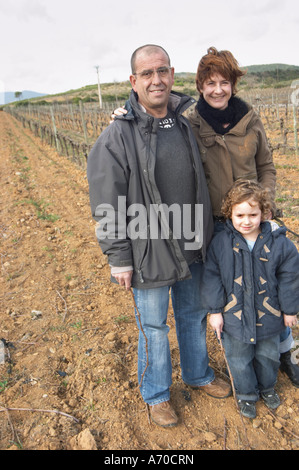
<point>244,190</point>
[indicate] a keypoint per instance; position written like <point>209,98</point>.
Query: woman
<point>229,132</point>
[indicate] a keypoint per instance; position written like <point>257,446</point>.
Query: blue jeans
<point>191,324</point>
<point>286,340</point>
<point>254,367</point>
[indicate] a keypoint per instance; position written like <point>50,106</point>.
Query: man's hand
<point>216,322</point>
<point>124,279</point>
<point>117,112</point>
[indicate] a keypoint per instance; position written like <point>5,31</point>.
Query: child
<point>251,289</point>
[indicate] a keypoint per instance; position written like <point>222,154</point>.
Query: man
<point>147,163</point>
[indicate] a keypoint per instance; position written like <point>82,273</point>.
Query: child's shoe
<point>271,399</point>
<point>247,408</point>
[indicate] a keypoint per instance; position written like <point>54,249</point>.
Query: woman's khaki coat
<point>243,152</point>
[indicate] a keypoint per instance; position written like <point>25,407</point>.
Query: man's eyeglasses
<point>148,74</point>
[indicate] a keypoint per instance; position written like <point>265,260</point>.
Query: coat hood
<point>265,229</point>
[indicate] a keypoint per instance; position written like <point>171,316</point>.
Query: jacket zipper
<point>140,276</point>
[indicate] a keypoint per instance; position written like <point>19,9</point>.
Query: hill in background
<point>268,76</point>
<point>10,96</point>
<point>271,75</point>
<point>265,68</point>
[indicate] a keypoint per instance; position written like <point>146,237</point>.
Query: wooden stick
<point>224,433</point>
<point>282,424</point>
<point>37,339</point>
<point>14,434</point>
<point>234,390</point>
<point>146,342</point>
<point>2,409</point>
<point>65,304</point>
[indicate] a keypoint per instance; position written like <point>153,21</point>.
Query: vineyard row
<point>73,130</point>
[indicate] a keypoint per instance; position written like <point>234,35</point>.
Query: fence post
<point>83,121</point>
<point>295,102</point>
<point>295,128</point>
<point>54,128</point>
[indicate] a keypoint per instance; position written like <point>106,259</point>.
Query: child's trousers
<point>254,367</point>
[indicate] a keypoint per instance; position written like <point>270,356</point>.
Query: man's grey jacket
<point>121,175</point>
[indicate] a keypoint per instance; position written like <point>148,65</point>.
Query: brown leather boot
<point>216,389</point>
<point>163,414</point>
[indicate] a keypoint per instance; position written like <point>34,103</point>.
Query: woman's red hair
<point>218,62</point>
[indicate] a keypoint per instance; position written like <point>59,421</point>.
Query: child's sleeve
<point>288,279</point>
<point>212,290</point>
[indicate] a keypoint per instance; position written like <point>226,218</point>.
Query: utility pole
<point>99,87</point>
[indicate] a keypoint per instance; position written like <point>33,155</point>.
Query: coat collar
<point>178,103</point>
<point>205,129</point>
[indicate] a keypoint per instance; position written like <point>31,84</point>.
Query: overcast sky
<point>54,46</point>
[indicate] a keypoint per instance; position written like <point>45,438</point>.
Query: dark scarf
<point>234,112</point>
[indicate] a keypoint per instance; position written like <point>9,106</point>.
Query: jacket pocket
<point>271,307</point>
<point>139,248</point>
<point>204,144</point>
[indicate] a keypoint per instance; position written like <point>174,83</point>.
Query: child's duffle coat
<point>251,289</point>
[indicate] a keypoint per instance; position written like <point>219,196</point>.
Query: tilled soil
<point>69,379</point>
